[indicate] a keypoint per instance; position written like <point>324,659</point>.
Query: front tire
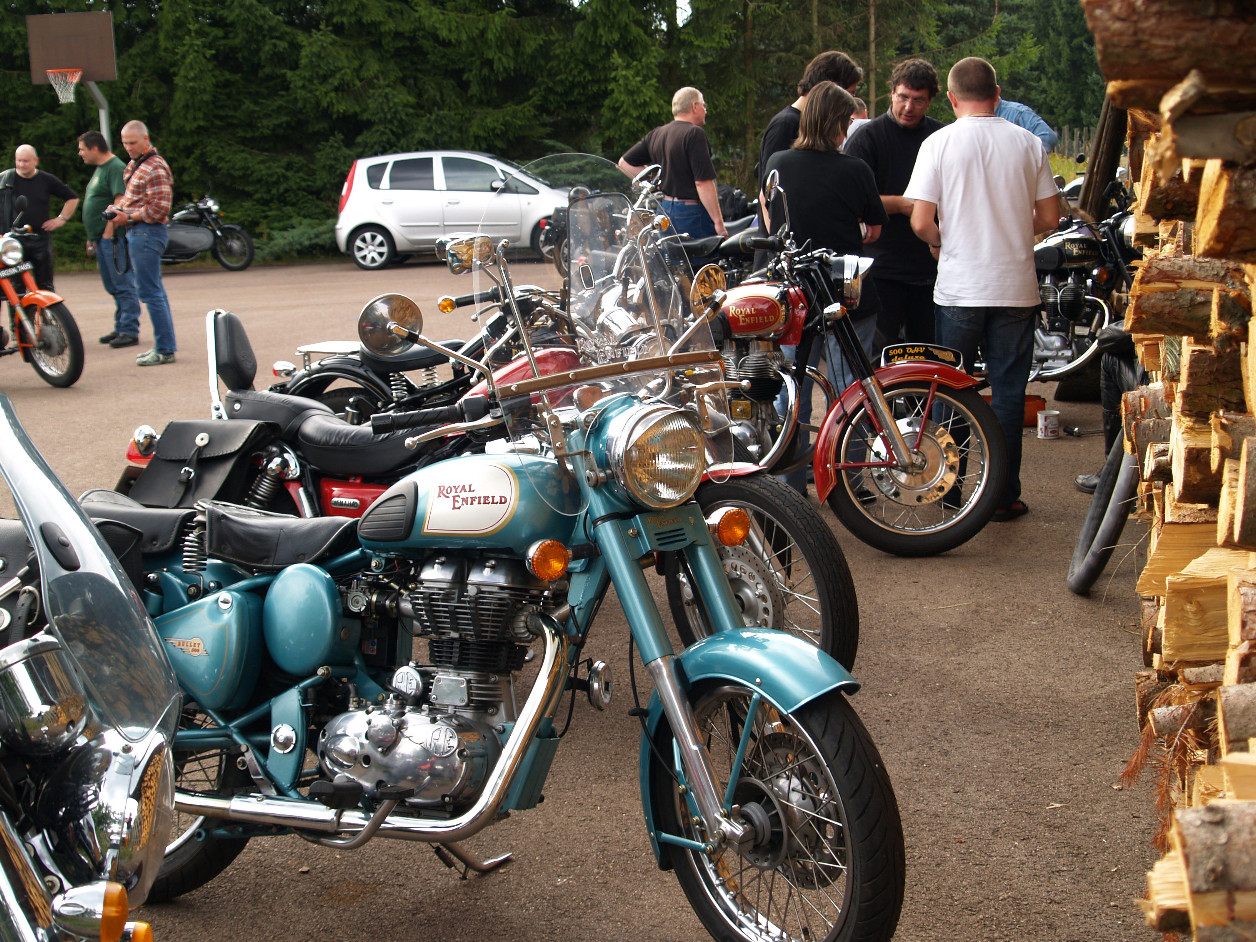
<point>828,863</point>
<point>194,856</point>
<point>57,354</point>
<point>790,574</point>
<point>939,505</point>
<point>1105,518</point>
<point>372,248</point>
<point>234,251</point>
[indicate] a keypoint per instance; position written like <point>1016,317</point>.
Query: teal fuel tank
<point>505,502</point>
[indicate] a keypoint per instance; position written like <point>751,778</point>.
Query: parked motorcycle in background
<point>40,329</point>
<point>197,227</point>
<point>1084,276</point>
<point>89,709</point>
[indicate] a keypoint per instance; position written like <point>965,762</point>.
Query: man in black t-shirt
<point>905,269</point>
<point>38,187</point>
<point>681,148</point>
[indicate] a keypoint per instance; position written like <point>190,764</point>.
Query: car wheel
<point>536,240</point>
<point>372,248</point>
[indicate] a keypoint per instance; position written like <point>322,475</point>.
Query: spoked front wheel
<point>827,861</point>
<point>234,251</point>
<point>955,482</point>
<point>57,348</point>
<point>790,574</point>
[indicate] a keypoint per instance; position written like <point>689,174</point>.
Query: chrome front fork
<point>695,761</point>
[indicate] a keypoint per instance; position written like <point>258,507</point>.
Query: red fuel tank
<point>771,311</point>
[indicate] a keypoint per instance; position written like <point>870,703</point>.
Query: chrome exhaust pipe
<point>305,815</point>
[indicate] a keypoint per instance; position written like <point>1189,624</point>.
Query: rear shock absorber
<point>195,554</point>
<point>265,485</point>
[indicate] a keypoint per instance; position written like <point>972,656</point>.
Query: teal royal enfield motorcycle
<point>349,680</point>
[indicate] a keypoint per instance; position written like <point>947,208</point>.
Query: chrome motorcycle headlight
<point>110,806</point>
<point>10,251</point>
<point>211,205</point>
<point>43,708</point>
<point>657,454</point>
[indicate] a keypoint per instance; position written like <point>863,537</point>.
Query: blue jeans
<point>146,241</point>
<point>126,303</point>
<point>691,218</point>
<point>1006,335</point>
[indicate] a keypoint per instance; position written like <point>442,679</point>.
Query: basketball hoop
<point>63,82</point>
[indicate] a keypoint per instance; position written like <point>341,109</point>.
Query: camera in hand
<point>108,214</point>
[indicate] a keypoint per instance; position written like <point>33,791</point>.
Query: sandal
<point>1018,508</point>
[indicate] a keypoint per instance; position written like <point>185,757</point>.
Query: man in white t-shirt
<point>989,184</point>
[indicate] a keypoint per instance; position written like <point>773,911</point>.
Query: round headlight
<point>10,251</point>
<point>657,454</point>
<point>211,205</point>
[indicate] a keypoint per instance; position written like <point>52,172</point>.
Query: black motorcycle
<point>1084,277</point>
<point>198,227</point>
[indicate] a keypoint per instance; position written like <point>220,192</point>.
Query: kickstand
<point>451,855</point>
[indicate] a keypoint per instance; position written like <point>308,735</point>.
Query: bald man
<point>40,188</point>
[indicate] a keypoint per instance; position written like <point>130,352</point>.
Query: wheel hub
<point>754,587</point>
<point>934,469</point>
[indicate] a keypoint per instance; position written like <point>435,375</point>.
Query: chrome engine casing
<point>445,757</point>
<point>437,731</point>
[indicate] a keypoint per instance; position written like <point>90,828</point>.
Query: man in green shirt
<point>104,188</point>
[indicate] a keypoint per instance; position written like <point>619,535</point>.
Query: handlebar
<point>470,409</point>
<point>491,296</point>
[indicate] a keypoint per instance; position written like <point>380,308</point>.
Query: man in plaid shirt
<point>144,211</point>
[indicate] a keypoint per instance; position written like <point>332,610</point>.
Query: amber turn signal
<point>548,560</point>
<point>730,525</point>
<point>586,396</point>
<point>445,305</point>
<point>113,912</point>
<point>141,932</point>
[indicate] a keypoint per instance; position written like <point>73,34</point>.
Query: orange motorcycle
<point>40,328</point>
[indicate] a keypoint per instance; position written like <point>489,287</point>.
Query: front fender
<point>895,374</point>
<point>786,670</point>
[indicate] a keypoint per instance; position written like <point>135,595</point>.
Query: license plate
<point>16,269</point>
<point>932,352</point>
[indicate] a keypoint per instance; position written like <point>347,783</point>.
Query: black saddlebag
<point>202,459</point>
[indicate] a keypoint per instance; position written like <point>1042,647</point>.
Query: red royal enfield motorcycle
<point>910,457</point>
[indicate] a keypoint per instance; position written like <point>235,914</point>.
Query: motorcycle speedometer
<point>10,251</point>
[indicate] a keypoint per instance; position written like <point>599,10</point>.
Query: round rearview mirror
<point>473,254</point>
<point>708,280</point>
<point>374,320</point>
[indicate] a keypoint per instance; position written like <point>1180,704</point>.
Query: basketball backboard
<point>72,41</point>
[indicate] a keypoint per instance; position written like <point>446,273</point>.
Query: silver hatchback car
<point>400,204</point>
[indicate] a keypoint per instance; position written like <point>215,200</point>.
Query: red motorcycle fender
<point>892,375</point>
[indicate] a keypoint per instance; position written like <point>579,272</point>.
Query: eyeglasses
<point>919,102</point>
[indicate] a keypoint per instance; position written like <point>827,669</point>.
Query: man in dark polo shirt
<point>905,269</point>
<point>39,187</point>
<point>681,148</point>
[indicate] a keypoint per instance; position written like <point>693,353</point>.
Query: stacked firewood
<point>1183,70</point>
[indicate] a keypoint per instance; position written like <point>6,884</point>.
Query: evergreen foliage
<point>265,103</point>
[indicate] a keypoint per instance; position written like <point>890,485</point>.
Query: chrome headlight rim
<point>1127,231</point>
<point>10,251</point>
<point>632,437</point>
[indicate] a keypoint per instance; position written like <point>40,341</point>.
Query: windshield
<point>89,604</point>
<point>630,321</point>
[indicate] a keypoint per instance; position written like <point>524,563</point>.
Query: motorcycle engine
<point>762,366</point>
<point>1067,300</point>
<point>437,732</point>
